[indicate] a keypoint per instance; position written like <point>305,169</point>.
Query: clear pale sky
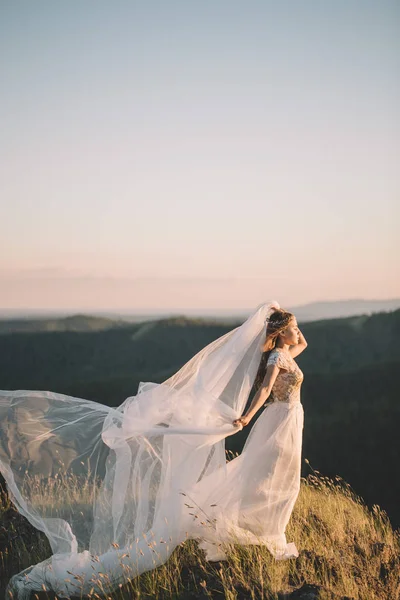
<point>198,155</point>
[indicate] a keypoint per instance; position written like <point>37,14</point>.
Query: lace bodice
<point>288,382</point>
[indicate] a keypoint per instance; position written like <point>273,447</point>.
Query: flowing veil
<point>109,486</point>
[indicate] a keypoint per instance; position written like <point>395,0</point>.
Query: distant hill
<point>342,308</point>
<point>71,323</point>
<point>40,320</point>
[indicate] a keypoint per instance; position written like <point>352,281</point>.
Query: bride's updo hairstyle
<point>276,323</point>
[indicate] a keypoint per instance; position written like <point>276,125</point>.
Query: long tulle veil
<point>101,482</point>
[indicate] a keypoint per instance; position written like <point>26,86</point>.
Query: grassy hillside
<point>345,552</point>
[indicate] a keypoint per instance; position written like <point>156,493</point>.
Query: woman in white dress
<point>117,489</point>
<point>255,500</point>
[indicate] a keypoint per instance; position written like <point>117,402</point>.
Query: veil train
<point>111,487</point>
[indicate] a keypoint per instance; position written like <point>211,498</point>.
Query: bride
<point>115,490</point>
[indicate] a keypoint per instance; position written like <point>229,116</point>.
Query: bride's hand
<point>275,305</point>
<point>243,421</point>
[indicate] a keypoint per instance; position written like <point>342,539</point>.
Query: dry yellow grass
<point>344,547</point>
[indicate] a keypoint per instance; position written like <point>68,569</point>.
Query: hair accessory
<point>277,322</point>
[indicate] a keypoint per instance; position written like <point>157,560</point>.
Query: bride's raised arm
<point>298,348</point>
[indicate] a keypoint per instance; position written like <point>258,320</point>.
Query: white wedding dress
<point>117,489</point>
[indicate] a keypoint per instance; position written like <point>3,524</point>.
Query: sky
<point>183,155</point>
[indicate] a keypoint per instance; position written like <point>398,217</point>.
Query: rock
<point>310,591</point>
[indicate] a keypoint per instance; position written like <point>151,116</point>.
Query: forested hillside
<point>350,394</point>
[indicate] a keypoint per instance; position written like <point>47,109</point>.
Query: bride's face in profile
<point>290,334</point>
